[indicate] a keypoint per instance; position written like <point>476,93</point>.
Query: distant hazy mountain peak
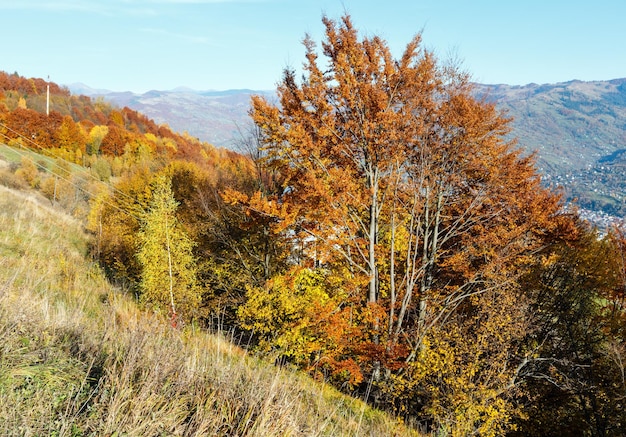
<point>79,88</point>
<point>184,89</point>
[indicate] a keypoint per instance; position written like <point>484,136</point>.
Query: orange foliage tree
<point>39,129</point>
<point>15,82</point>
<point>71,137</point>
<point>397,176</point>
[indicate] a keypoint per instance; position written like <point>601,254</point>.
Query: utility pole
<point>48,97</point>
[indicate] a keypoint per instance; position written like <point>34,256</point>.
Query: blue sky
<point>138,45</point>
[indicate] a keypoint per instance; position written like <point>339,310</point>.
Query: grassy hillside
<point>77,356</point>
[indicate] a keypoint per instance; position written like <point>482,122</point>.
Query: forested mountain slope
<point>217,117</point>
<point>578,130</point>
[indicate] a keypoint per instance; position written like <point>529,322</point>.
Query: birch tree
<point>168,268</point>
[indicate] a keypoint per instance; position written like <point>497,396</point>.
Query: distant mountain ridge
<point>578,129</point>
<point>571,124</point>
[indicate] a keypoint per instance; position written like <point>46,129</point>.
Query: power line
<point>78,187</point>
<point>43,149</point>
<point>70,182</point>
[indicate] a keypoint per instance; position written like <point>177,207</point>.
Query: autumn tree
<point>220,243</point>
<point>395,173</point>
<point>114,140</point>
<point>241,242</point>
<point>28,172</point>
<point>71,138</point>
<point>168,275</point>
<point>38,129</point>
<point>58,186</point>
<point>115,220</point>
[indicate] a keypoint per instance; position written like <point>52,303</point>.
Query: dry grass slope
<point>78,357</point>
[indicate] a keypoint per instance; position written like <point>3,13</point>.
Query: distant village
<point>599,191</point>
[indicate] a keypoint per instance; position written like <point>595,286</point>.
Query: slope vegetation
<point>78,357</point>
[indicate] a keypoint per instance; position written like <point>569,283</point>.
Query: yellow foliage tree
<point>96,135</point>
<point>28,172</point>
<point>301,317</point>
<point>168,274</point>
<point>115,220</point>
<point>71,137</point>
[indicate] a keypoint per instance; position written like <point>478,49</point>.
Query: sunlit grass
<point>14,155</point>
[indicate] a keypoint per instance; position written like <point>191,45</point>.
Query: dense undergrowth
<point>78,357</point>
